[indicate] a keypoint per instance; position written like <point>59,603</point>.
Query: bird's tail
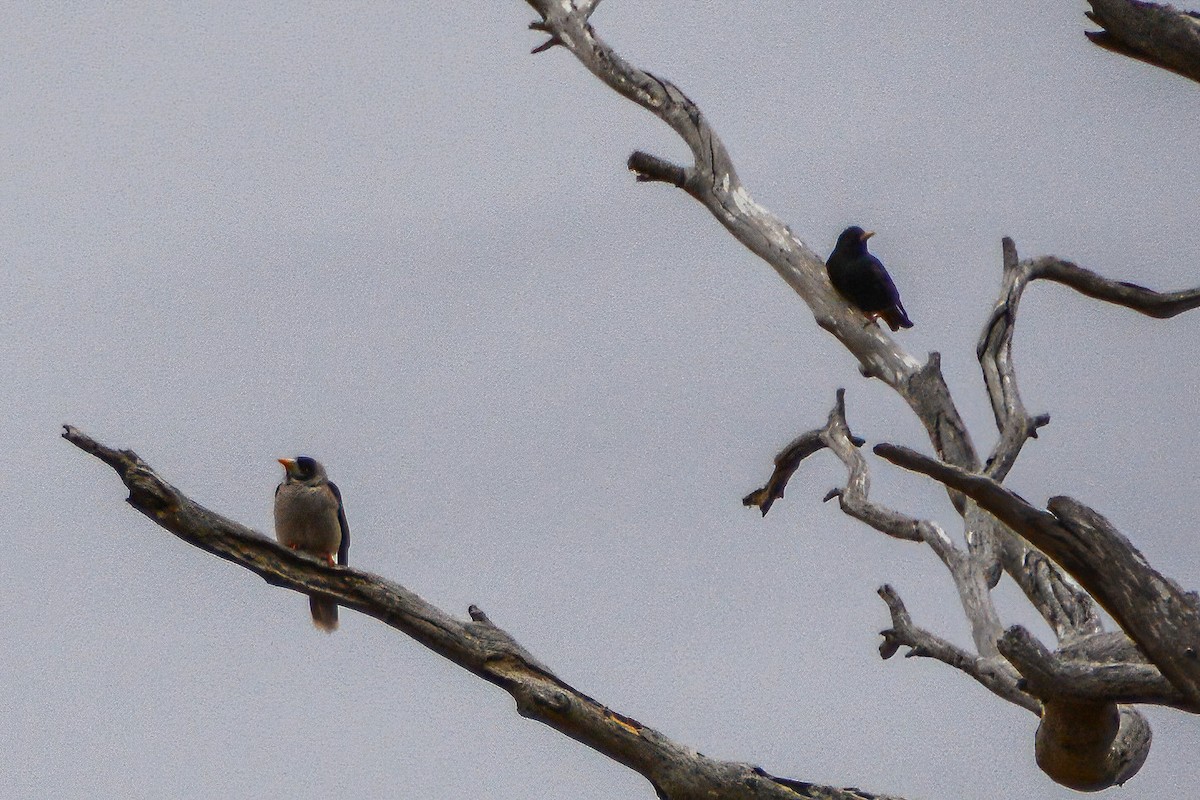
<point>897,317</point>
<point>324,613</point>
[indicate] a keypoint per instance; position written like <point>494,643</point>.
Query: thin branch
<point>994,351</point>
<point>1160,617</point>
<point>1159,35</point>
<point>477,646</point>
<point>968,574</point>
<point>1161,305</point>
<point>786,463</point>
<point>994,674</point>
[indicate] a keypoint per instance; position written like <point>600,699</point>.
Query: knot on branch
<point>650,168</point>
<point>1090,746</point>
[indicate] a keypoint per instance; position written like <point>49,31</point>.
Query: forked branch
<point>1160,617</point>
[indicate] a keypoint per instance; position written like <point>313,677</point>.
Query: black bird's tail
<point>896,317</point>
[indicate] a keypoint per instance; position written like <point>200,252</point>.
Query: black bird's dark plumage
<point>860,278</point>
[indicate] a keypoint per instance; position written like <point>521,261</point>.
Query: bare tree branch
<point>1160,35</point>
<point>994,674</point>
<point>712,180</point>
<point>1161,305</point>
<point>478,646</point>
<point>994,350</point>
<point>1160,617</point>
<point>786,463</point>
<point>1053,676</point>
<point>968,573</point>
<point>999,374</point>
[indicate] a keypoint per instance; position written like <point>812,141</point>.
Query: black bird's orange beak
<point>288,463</point>
<point>867,235</point>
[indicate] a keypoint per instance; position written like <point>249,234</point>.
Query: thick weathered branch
<point>1160,617</point>
<point>712,180</point>
<point>1160,35</point>
<point>1089,737</point>
<point>1060,676</point>
<point>477,646</point>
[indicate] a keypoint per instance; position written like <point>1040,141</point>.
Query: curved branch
<point>1160,617</point>
<point>969,570</point>
<point>712,180</point>
<point>1162,36</point>
<point>477,646</point>
<point>1161,305</point>
<point>787,461</point>
<point>994,352</point>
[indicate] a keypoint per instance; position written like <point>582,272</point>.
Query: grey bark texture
<point>1158,34</point>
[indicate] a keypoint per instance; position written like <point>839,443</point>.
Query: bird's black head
<point>853,241</point>
<point>305,467</point>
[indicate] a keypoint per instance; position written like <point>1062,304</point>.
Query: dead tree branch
<point>478,646</point>
<point>1160,617</point>
<point>1069,675</point>
<point>969,573</point>
<point>1161,35</point>
<point>786,463</point>
<point>712,180</point>
<point>994,674</point>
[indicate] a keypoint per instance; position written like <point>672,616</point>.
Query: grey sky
<point>384,235</point>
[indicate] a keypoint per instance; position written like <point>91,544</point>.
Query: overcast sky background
<point>384,235</point>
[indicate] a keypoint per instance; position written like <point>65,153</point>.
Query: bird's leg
<point>329,558</point>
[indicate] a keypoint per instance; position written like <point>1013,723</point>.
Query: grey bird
<point>309,517</point>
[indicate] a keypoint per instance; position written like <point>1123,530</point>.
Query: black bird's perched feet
<point>860,278</point>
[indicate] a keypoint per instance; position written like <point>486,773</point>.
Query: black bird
<point>860,277</point>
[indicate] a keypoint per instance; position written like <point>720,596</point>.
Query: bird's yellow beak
<point>868,235</point>
<point>288,463</point>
